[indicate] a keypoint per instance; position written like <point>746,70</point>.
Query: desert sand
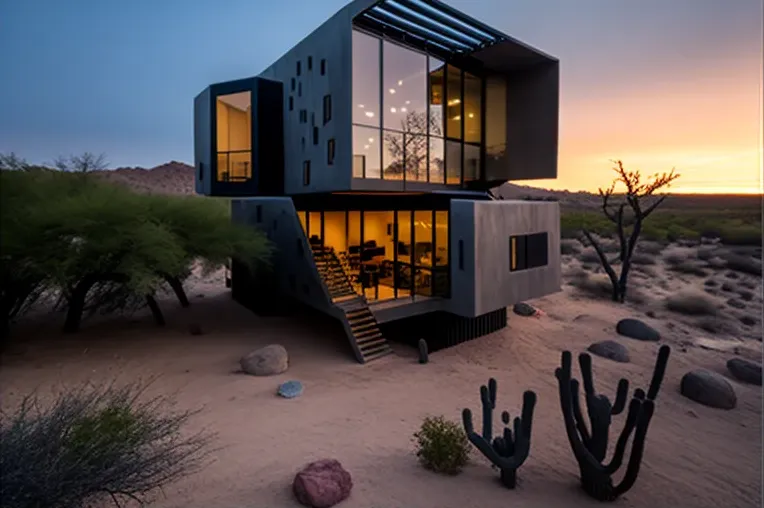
<point>365,415</point>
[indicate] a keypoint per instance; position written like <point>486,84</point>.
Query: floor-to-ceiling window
<point>233,122</point>
<point>386,254</point>
<point>415,118</point>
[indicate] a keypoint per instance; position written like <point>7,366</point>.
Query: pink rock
<point>322,484</point>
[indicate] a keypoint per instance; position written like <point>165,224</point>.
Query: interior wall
<point>222,126</point>
<point>334,231</point>
<point>375,228</point>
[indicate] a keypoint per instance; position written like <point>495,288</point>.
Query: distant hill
<point>171,178</point>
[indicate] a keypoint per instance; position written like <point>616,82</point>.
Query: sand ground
<point>365,415</point>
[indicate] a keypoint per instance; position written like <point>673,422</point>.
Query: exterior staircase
<point>359,322</point>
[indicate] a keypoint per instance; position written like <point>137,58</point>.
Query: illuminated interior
<point>234,137</point>
<point>415,118</point>
<point>386,254</point>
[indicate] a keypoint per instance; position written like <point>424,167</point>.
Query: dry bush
<point>598,286</point>
<point>442,446</point>
<point>689,267</point>
<point>748,284</point>
<point>94,445</point>
<point>745,295</point>
<point>706,253</point>
<point>569,246</point>
<point>711,283</point>
<point>716,262</point>
<point>716,325</point>
<point>588,255</point>
<point>692,303</point>
<point>678,255</point>
<point>653,248</point>
<point>641,258</point>
<point>729,287</point>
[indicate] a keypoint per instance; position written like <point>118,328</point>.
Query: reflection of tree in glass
<point>414,144</point>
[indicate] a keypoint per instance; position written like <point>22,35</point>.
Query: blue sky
<point>120,76</point>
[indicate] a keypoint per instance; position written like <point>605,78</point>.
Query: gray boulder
<point>636,329</point>
<point>268,361</point>
<point>611,350</point>
<point>709,389</point>
<point>524,309</point>
<point>745,370</point>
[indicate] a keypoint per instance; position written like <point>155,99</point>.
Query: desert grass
<point>692,303</point>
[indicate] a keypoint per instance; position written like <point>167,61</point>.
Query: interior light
<point>403,110</point>
<point>400,83</point>
<point>371,140</point>
<point>393,110</point>
<point>408,102</point>
<point>457,117</point>
<point>392,90</point>
<point>453,102</point>
<point>471,115</point>
<point>365,147</point>
<point>361,106</point>
<point>370,114</point>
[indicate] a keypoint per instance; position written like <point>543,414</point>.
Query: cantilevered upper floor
<point>386,95</point>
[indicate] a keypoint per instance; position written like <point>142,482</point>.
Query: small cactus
<point>424,356</point>
<point>509,451</point>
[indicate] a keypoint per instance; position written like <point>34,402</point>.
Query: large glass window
<point>453,162</point>
<point>437,160</point>
<point>377,255</point>
<point>392,156</point>
<point>423,252</point>
<point>366,106</point>
<point>416,157</point>
<point>471,162</point>
<point>437,80</point>
<point>404,89</point>
<point>472,108</point>
<point>366,152</point>
<point>454,102</point>
<point>440,271</point>
<point>234,137</point>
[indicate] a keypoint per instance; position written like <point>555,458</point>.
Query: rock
<point>745,370</point>
<point>290,389</point>
<point>524,309</point>
<point>267,361</point>
<point>636,329</point>
<point>611,350</point>
<point>322,484</point>
<point>709,389</point>
<point>733,302</point>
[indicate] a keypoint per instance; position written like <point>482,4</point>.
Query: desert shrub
<point>692,303</point>
<point>748,284</point>
<point>442,446</point>
<point>641,258</point>
<point>706,253</point>
<point>689,267</point>
<point>653,248</point>
<point>598,285</point>
<point>570,246</point>
<point>746,295</point>
<point>744,264</point>
<point>589,255</point>
<point>678,255</point>
<point>715,325</point>
<point>95,445</point>
<point>729,287</point>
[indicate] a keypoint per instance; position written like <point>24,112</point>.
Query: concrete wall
<point>485,283</point>
<point>330,42</point>
<point>203,142</point>
<point>293,266</point>
<point>533,105</point>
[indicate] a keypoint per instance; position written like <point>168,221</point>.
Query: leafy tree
<point>627,212</point>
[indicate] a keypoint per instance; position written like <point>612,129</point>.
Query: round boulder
<point>709,389</point>
<point>745,370</point>
<point>636,329</point>
<point>322,484</point>
<point>524,309</point>
<point>268,361</point>
<point>611,350</point>
<point>290,389</point>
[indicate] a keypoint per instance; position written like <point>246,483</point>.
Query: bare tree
<point>628,222</point>
<point>412,144</point>
<point>12,162</point>
<point>84,163</point>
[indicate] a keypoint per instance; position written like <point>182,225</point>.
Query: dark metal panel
<point>421,32</point>
<point>203,143</point>
<point>432,21</point>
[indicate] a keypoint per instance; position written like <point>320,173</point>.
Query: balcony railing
<point>235,166</point>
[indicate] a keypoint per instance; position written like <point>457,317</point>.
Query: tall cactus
<point>590,446</point>
<point>509,451</point>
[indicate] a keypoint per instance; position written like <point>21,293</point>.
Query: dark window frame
<point>327,108</point>
<point>299,67</point>
<point>306,173</point>
<point>461,254</point>
<point>310,63</point>
<point>330,151</point>
<point>315,135</point>
<point>528,251</point>
<point>323,66</point>
<point>291,103</point>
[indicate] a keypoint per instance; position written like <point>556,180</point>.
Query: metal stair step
<point>377,354</point>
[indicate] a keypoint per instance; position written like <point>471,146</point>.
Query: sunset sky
<point>656,83</point>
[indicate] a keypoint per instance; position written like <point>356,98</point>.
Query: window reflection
<point>366,107</point>
<point>366,152</point>
<point>472,108</point>
<point>453,162</point>
<point>454,103</point>
<point>392,156</point>
<point>437,76</point>
<point>404,89</point>
<point>471,162</point>
<point>416,157</point>
<point>437,162</point>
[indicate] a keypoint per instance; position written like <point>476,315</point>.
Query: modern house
<point>367,153</point>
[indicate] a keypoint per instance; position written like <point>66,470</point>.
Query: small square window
<point>291,103</point>
<point>299,67</point>
<point>306,173</point>
<point>330,152</point>
<point>201,171</point>
<point>323,66</point>
<point>299,89</point>
<point>315,135</point>
<point>293,84</point>
<point>310,63</point>
<point>303,116</point>
<point>327,108</point>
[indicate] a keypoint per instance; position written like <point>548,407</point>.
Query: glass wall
<point>233,121</point>
<point>420,111</point>
<point>386,254</point>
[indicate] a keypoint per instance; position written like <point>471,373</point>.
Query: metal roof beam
<point>482,30</point>
<point>407,26</point>
<point>434,22</point>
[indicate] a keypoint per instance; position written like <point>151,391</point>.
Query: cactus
<point>509,451</point>
<point>590,445</point>
<point>424,356</point>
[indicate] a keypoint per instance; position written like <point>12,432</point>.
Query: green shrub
<point>442,446</point>
<point>692,303</point>
<point>91,446</point>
